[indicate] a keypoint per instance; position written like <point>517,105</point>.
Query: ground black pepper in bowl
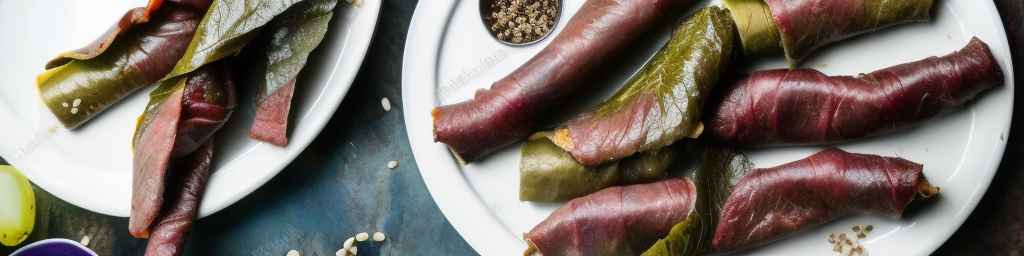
<point>520,22</point>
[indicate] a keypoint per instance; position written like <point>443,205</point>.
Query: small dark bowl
<point>485,13</point>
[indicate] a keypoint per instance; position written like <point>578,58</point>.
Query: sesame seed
<point>386,103</point>
<point>85,240</point>
<point>76,103</point>
<point>362,237</point>
<point>341,252</point>
<point>354,250</point>
<point>378,236</point>
<point>74,111</point>
<point>392,164</point>
<point>64,104</point>
<point>349,242</point>
<point>293,253</point>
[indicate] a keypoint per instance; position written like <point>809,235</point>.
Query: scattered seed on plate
<point>378,236</point>
<point>349,242</point>
<point>392,164</point>
<point>386,104</point>
<point>362,237</point>
<point>85,240</point>
<point>293,253</point>
<point>858,250</point>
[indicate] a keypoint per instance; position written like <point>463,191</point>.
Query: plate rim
<point>467,219</point>
<point>429,34</point>
<point>324,105</point>
<point>334,101</point>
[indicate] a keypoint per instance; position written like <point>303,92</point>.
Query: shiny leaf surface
<point>717,171</point>
<point>226,29</point>
<point>291,37</point>
<point>78,89</point>
<point>663,102</point>
<point>549,174</point>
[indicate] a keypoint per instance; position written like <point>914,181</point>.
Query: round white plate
<point>91,166</point>
<point>449,55</point>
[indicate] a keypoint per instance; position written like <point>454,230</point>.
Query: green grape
<point>17,207</point>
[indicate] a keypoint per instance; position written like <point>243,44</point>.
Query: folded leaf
<point>140,49</point>
<point>549,174</point>
<point>226,29</point>
<point>806,106</point>
<point>774,202</point>
<point>183,114</point>
<point>520,103</point>
<point>717,170</point>
<point>153,144</point>
<point>614,221</point>
<point>208,102</point>
<point>682,240</point>
<point>663,102</point>
<point>758,33</point>
<point>292,37</point>
<point>803,26</point>
<point>184,194</point>
<point>133,18</point>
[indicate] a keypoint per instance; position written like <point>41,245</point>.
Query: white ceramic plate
<point>91,167</point>
<point>449,55</point>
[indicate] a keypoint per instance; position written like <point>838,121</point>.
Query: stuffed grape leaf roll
<point>518,104</point>
<point>136,52</point>
<point>614,221</point>
<point>549,174</point>
<point>183,114</point>
<point>799,27</point>
<point>770,203</point>
<point>717,171</point>
<point>805,106</point>
<point>663,102</point>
